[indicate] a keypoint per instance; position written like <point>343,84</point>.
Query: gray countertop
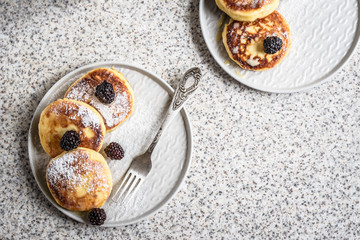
<point>264,166</point>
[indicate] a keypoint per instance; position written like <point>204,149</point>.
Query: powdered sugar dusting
<point>135,136</point>
<point>120,105</point>
<point>252,3</point>
<point>88,117</point>
<point>76,111</point>
<point>112,113</point>
<point>69,171</point>
<point>150,103</point>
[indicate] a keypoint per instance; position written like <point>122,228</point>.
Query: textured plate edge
<point>318,82</point>
<point>189,138</point>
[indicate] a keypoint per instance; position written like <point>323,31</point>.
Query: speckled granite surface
<point>266,166</point>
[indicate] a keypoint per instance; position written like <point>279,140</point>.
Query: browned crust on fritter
<point>64,109</point>
<point>232,40</point>
<point>119,83</point>
<point>245,7</point>
<point>63,193</point>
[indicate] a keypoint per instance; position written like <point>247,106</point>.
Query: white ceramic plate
<point>324,34</point>
<point>171,157</point>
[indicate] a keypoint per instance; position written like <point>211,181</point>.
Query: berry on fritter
<point>114,151</point>
<point>70,140</point>
<point>105,92</point>
<point>97,216</point>
<point>272,44</point>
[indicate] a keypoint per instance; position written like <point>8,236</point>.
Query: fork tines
<point>129,184</point>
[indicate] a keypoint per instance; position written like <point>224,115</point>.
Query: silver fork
<point>141,165</point>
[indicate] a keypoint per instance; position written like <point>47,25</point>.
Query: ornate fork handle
<point>181,95</point>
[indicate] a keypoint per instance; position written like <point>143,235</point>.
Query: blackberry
<point>97,216</point>
<point>114,151</point>
<point>70,140</point>
<point>105,92</point>
<point>272,44</point>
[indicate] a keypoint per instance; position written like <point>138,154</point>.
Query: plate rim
<point>189,137</point>
<point>316,83</point>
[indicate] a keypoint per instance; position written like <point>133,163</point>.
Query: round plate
<point>171,157</point>
<point>324,34</point>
